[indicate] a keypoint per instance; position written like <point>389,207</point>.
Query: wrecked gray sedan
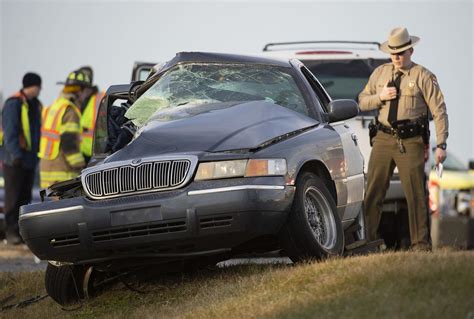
<point>225,155</point>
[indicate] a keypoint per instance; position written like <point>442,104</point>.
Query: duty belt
<point>386,129</point>
<point>403,129</point>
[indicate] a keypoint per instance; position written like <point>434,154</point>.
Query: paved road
<point>18,258</point>
<point>21,264</point>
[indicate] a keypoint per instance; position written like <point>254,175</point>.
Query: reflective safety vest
<point>25,134</point>
<point>88,119</point>
<point>52,128</point>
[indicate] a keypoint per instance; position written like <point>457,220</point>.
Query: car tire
<point>63,283</point>
<point>313,229</point>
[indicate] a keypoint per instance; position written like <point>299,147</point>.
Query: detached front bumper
<point>200,218</point>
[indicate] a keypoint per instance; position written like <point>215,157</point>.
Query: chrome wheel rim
<point>320,217</point>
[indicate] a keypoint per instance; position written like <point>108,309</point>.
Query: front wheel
<point>68,284</point>
<point>64,283</point>
<point>313,228</point>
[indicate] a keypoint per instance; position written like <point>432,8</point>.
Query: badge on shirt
<point>411,88</point>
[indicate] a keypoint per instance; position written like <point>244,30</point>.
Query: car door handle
<point>354,138</point>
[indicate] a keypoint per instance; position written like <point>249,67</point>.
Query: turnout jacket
<point>61,157</point>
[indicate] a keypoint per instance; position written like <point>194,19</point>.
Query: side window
<point>109,124</point>
<point>143,74</point>
<point>142,70</point>
<point>100,132</point>
<point>320,93</point>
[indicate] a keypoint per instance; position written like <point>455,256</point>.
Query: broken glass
<point>190,89</point>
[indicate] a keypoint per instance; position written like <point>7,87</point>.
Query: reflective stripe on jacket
<point>60,147</point>
<point>52,128</point>
<point>88,120</point>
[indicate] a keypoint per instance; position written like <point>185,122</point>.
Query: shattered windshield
<point>190,89</point>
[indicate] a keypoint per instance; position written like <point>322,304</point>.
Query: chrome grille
<point>132,179</point>
<point>161,174</point>
<point>95,183</point>
<point>144,176</point>
<point>180,168</point>
<point>110,175</point>
<point>126,180</point>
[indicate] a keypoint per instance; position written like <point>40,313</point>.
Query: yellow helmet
<point>77,78</point>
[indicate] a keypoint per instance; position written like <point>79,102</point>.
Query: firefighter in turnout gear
<point>21,121</point>
<point>89,110</point>
<point>61,157</point>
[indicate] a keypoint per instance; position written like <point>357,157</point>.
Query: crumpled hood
<point>242,126</point>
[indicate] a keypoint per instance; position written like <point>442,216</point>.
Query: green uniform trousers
<point>384,157</point>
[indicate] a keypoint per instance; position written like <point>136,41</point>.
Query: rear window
<point>344,79</point>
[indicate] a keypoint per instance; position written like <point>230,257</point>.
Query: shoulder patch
<point>434,80</point>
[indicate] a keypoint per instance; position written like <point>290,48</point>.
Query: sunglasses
<point>399,53</point>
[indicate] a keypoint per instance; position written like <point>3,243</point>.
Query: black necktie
<point>392,113</point>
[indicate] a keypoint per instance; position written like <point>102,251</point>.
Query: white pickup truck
<point>344,67</point>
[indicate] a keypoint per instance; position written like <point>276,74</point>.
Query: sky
<point>53,37</point>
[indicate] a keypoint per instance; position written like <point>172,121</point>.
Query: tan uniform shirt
<point>419,90</point>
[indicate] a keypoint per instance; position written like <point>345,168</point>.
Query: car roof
<point>325,50</point>
<point>211,57</point>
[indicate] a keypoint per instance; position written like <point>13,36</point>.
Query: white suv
<point>344,67</point>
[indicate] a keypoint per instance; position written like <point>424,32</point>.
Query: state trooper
<point>403,92</point>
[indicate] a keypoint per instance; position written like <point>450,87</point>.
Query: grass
<point>388,285</point>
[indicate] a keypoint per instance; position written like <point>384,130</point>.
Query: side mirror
<point>340,110</point>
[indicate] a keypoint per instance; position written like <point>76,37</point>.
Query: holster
<point>373,129</point>
<point>425,130</point>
